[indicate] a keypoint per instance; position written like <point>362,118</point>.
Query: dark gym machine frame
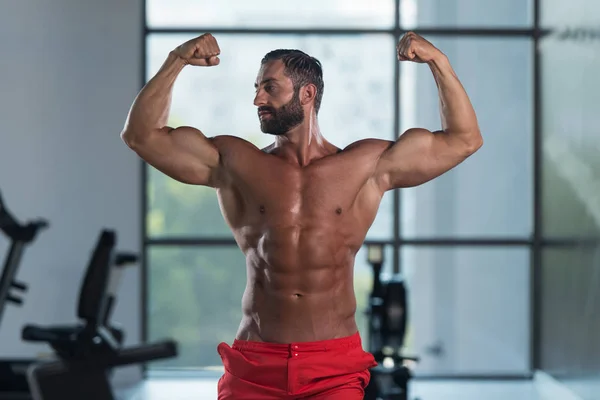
<point>88,351</point>
<point>20,236</point>
<point>13,383</point>
<point>388,319</point>
<point>85,353</point>
<point>536,243</point>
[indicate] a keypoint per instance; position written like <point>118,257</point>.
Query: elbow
<point>130,138</point>
<point>473,142</point>
<point>127,136</point>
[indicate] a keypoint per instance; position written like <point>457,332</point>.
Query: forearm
<point>457,113</point>
<point>150,110</point>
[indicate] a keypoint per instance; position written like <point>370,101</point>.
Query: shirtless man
<point>299,210</point>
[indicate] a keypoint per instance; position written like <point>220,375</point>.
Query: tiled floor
<point>200,389</point>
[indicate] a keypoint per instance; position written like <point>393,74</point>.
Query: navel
<point>262,209</point>
<point>338,211</point>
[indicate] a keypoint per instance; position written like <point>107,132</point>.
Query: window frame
<point>535,242</point>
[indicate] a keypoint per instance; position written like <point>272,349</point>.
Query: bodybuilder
<point>299,210</point>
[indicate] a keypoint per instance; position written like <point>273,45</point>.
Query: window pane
<point>357,103</point>
<point>491,192</point>
<point>571,138</point>
<point>176,209</point>
<point>570,317</point>
<point>469,309</point>
<point>269,13</point>
<point>195,297</point>
<point>576,13</point>
<point>465,13</point>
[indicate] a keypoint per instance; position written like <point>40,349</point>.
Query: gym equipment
<point>13,382</point>
<point>387,329</point>
<point>88,353</point>
<point>100,286</point>
<point>20,236</point>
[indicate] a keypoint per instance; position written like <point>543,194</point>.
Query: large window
<point>460,241</point>
<point>570,188</point>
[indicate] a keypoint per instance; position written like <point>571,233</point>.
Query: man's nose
<point>259,99</point>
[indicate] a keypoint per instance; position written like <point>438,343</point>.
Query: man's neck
<point>303,144</point>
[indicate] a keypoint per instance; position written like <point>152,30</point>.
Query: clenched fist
<point>413,47</point>
<point>202,51</point>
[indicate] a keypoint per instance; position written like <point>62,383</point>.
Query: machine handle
<point>14,300</point>
<point>19,286</point>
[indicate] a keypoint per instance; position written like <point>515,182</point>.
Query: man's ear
<point>308,93</point>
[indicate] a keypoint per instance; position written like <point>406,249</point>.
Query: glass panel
<point>195,297</point>
<point>269,13</point>
<point>489,194</point>
<point>466,13</point>
<point>570,324</point>
<point>571,138</point>
<point>559,13</point>
<point>357,103</point>
<point>176,209</point>
<point>468,310</point>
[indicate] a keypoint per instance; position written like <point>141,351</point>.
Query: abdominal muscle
<point>299,288</point>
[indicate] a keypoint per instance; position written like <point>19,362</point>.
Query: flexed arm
<point>183,153</point>
<point>420,155</point>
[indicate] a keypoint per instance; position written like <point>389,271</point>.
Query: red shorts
<point>328,369</point>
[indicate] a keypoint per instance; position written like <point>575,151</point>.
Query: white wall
<point>69,71</point>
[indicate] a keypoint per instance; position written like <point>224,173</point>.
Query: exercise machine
<point>388,316</point>
<point>87,353</point>
<point>13,383</point>
<point>20,235</point>
<point>104,266</point>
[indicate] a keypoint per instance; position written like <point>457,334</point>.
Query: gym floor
<point>206,388</point>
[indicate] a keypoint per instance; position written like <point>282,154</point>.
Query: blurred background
<point>501,255</point>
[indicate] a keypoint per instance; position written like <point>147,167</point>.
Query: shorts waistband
<point>351,341</point>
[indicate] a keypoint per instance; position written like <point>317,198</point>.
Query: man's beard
<point>283,119</point>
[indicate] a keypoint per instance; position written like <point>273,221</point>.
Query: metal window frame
<point>535,243</point>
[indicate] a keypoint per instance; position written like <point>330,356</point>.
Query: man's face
<point>279,107</point>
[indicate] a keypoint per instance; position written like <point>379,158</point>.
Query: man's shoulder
<point>370,145</point>
<point>229,142</point>
<point>236,151</point>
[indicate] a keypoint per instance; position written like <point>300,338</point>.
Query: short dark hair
<point>301,68</point>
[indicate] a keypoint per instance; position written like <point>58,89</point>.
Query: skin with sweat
<point>300,208</point>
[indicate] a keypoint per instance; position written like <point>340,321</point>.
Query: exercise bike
<point>87,353</point>
<point>13,382</point>
<point>387,329</point>
<point>100,286</point>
